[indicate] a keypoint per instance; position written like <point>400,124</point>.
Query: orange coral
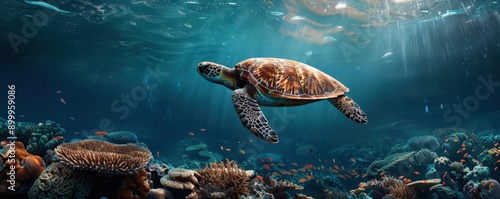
<point>135,186</point>
<point>25,165</point>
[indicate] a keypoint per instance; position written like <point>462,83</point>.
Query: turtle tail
<point>349,108</point>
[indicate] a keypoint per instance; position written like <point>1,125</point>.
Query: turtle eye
<point>204,65</point>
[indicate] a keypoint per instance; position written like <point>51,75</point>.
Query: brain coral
<point>104,157</point>
<point>60,181</point>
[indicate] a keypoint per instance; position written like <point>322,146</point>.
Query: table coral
<point>179,178</point>
<point>104,157</point>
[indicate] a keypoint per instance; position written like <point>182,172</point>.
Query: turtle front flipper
<point>251,116</point>
<point>349,108</point>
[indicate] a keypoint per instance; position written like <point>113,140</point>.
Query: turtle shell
<point>282,78</point>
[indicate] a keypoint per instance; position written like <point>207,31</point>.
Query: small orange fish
<point>281,164</point>
<point>406,181</point>
<point>71,118</point>
<point>495,168</point>
<point>191,133</point>
<point>361,186</point>
<point>294,164</point>
<point>62,100</point>
<point>101,133</point>
<point>465,155</point>
<point>308,166</point>
<point>260,178</point>
<point>302,180</point>
<point>446,172</point>
<point>353,159</point>
<point>260,160</point>
<point>382,173</point>
<point>336,167</point>
<point>445,151</point>
<point>276,174</point>
<point>57,138</point>
<point>267,167</point>
<point>401,177</point>
<point>203,129</point>
<point>462,160</point>
<point>446,140</point>
<point>335,170</point>
<point>455,139</point>
<point>452,180</point>
<point>341,176</point>
<point>416,173</point>
<point>364,175</point>
<point>242,152</point>
<point>302,169</point>
<point>270,159</point>
<point>294,170</point>
<point>496,144</point>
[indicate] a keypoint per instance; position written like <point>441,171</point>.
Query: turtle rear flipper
<point>349,108</point>
<point>251,116</point>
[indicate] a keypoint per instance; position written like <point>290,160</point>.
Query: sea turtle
<point>277,82</point>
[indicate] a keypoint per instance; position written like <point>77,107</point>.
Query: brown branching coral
<point>135,186</point>
<point>222,180</point>
<point>401,191</point>
<point>104,157</point>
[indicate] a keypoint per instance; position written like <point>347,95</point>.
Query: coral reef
<point>37,137</point>
<point>26,166</point>
<point>103,156</point>
<point>134,186</point>
<point>400,163</point>
<point>401,191</point>
<point>333,194</point>
<point>442,163</point>
<point>122,137</point>
<point>222,180</point>
<point>179,178</point>
<point>61,181</point>
<point>423,142</point>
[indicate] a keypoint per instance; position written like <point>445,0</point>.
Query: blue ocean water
<point>416,67</point>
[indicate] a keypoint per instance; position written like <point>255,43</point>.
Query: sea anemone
<point>221,178</point>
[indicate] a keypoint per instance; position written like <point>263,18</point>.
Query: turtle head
<point>217,73</point>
